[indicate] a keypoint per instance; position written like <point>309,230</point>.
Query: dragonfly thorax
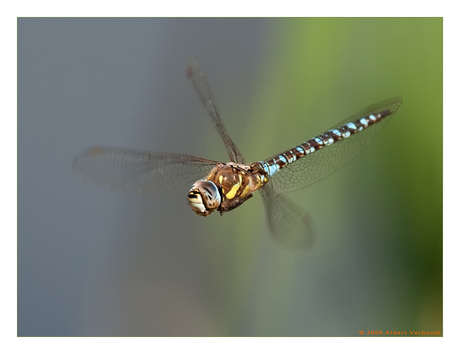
<point>227,186</point>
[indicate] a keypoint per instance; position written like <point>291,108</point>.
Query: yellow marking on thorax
<point>221,179</point>
<point>231,193</point>
<point>261,180</point>
<point>246,190</point>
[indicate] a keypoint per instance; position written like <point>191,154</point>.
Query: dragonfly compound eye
<point>204,197</point>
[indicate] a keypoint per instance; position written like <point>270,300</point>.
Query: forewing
<point>202,88</point>
<point>139,172</point>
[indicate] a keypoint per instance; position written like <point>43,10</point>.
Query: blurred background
<point>95,263</point>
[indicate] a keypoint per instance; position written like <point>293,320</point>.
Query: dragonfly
<point>222,187</point>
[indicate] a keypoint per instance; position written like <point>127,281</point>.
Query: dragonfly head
<point>204,197</point>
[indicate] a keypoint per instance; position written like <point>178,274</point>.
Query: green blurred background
<point>94,263</point>
<point>377,263</point>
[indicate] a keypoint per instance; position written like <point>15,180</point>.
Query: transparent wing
<point>139,172</point>
<point>320,164</point>
<point>289,224</point>
<point>202,88</point>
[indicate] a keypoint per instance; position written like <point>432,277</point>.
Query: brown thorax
<point>226,187</point>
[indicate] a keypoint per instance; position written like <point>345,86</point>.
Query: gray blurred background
<point>94,263</point>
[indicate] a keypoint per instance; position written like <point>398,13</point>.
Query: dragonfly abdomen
<point>276,163</point>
